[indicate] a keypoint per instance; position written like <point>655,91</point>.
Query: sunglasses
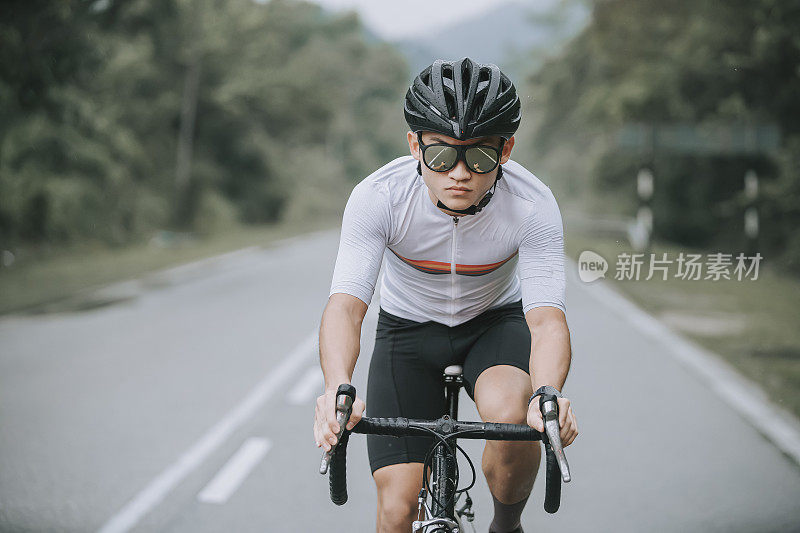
<point>479,158</point>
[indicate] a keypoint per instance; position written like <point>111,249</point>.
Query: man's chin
<point>457,202</point>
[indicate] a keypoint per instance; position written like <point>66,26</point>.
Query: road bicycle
<point>440,508</point>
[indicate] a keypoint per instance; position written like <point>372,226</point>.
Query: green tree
<point>120,117</point>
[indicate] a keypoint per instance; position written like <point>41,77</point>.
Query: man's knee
<point>501,394</point>
<point>395,514</point>
<point>507,410</point>
<point>398,487</point>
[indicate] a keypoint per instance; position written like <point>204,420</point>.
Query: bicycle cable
<point>469,461</point>
<point>471,467</point>
<point>427,464</point>
<point>428,457</point>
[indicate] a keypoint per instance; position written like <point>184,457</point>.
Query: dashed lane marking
<point>155,492</point>
<point>230,477</point>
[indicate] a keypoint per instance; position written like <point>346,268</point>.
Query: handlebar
<point>448,428</point>
<point>445,426</point>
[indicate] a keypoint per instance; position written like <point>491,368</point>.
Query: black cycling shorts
<point>405,374</point>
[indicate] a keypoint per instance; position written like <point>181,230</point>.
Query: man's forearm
<point>550,354</point>
<point>339,345</point>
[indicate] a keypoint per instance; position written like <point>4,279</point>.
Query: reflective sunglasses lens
<point>481,159</point>
<point>440,158</point>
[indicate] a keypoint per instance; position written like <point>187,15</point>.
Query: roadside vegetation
<point>121,118</point>
<point>138,134</point>
<point>694,64</point>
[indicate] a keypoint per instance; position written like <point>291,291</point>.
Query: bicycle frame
<point>443,474</point>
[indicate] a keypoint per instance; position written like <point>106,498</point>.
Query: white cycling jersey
<point>450,269</point>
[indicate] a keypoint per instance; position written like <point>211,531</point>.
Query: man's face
<point>458,187</point>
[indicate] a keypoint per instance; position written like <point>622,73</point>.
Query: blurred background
<point>141,135</point>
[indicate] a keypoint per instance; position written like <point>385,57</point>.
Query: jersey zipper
<point>453,271</point>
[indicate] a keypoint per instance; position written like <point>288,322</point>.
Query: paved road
<point>189,407</point>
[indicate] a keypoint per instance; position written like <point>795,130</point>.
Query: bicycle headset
<point>464,100</point>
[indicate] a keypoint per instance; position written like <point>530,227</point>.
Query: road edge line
<point>776,424</point>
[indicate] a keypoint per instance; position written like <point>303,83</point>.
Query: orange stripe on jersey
<point>437,267</point>
<point>429,267</point>
<point>480,270</point>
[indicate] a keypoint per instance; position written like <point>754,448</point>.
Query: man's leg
<point>398,488</point>
<point>501,395</point>
<point>403,382</point>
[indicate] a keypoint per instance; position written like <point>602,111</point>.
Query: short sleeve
<point>366,227</point>
<point>541,257</point>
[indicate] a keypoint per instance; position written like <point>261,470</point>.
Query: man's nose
<point>460,172</point>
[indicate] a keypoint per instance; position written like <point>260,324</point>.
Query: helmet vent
<point>466,76</point>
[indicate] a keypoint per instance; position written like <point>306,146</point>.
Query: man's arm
<point>541,270</point>
<point>550,347</point>
<point>339,345</point>
<point>339,338</point>
<point>551,354</point>
<point>365,229</point>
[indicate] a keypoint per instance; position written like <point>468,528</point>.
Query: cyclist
<point>474,275</point>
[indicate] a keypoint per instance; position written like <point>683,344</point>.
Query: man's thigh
<point>500,358</point>
<point>404,381</point>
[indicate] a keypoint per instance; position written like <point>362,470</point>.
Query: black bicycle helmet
<point>463,99</point>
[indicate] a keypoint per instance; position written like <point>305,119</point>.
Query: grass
<point>752,324</point>
<point>47,277</point>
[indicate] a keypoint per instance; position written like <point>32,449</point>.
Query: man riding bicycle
<point>474,277</point>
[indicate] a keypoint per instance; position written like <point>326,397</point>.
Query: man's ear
<point>413,144</point>
<point>506,155</point>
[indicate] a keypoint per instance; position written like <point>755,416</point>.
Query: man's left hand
<point>566,419</point>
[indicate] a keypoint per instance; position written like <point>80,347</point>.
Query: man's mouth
<point>458,189</point>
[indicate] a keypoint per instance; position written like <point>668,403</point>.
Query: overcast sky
<point>396,20</point>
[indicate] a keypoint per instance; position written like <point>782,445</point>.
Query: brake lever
<point>345,396</point>
<point>549,408</point>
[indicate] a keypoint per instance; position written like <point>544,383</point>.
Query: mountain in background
<point>517,36</point>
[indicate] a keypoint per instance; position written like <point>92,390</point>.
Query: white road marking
<point>310,383</point>
<point>231,476</point>
<point>156,491</point>
<point>746,398</point>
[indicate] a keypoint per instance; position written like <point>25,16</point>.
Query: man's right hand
<point>325,426</point>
